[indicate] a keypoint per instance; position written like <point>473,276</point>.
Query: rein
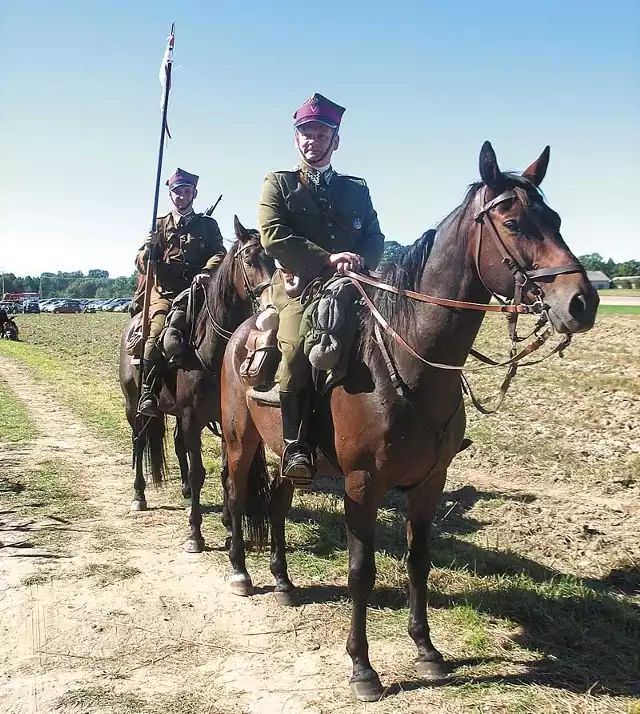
<point>523,279</point>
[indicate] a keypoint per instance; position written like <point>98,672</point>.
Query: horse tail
<point>154,449</point>
<point>256,518</point>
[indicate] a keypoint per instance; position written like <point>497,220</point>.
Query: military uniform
<point>187,245</point>
<point>301,225</point>
<point>306,215</point>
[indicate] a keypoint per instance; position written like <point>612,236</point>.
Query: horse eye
<point>512,226</point>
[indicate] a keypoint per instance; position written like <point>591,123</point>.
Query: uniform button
<point>332,237</point>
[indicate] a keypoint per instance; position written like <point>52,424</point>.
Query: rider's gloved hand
<point>346,261</point>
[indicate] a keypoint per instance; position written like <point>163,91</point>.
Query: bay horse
<point>192,392</point>
<point>380,438</point>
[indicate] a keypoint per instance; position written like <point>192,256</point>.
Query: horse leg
<point>282,495</point>
<point>181,453</point>
<point>421,506</point>
<point>224,475</point>
<point>139,502</point>
<point>360,516</point>
<point>193,442</point>
<point>240,454</point>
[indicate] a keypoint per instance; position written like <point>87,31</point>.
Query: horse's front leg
<point>360,515</point>
<point>421,506</point>
<point>193,441</point>
<point>224,476</point>
<point>181,454</point>
<point>281,497</point>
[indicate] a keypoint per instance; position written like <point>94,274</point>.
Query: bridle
<point>525,281</point>
<point>253,293</point>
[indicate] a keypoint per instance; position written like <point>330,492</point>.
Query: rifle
<point>211,209</point>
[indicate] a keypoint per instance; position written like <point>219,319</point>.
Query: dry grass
<point>534,586</point>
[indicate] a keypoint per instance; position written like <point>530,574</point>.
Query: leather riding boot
<point>297,459</point>
<point>151,384</point>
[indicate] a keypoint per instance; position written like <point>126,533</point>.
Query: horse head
<point>519,251</point>
<point>254,267</point>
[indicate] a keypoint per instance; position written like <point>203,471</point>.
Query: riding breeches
<point>158,311</point>
<point>295,371</point>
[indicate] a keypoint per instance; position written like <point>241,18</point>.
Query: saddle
<point>329,324</point>
<point>177,334</point>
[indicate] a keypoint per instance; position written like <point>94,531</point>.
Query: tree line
<point>592,261</point>
<point>75,284</point>
<point>98,284</point>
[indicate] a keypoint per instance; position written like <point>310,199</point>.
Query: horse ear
<point>538,169</point>
<point>242,234</point>
<point>489,170</point>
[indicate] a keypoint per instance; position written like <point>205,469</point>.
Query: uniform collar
<point>317,177</point>
<point>177,216</point>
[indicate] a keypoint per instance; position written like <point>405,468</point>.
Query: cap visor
<point>319,120</point>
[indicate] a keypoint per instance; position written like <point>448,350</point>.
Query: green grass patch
<point>619,310</point>
<point>79,355</point>
<point>15,423</point>
<point>48,490</point>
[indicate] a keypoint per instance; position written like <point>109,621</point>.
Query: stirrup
<point>297,466</point>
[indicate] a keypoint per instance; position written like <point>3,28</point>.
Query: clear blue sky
<point>424,84</point>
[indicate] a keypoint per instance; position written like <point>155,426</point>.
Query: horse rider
<point>187,247</point>
<point>314,222</point>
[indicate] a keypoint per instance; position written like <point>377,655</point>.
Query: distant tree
<point>392,253</point>
<point>592,261</point>
<point>629,267</point>
<point>98,274</point>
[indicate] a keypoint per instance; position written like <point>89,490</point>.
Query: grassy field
<point>535,581</point>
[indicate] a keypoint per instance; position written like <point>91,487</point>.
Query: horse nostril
<point>578,306</point>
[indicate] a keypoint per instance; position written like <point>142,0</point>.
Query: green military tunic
<point>189,246</point>
<point>301,224</point>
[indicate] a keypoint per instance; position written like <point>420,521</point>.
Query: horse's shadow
<point>588,636</point>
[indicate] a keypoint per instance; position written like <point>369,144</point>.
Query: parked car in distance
<point>67,306</point>
<point>30,307</point>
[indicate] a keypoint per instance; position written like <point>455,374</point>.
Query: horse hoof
<point>284,598</point>
<point>186,493</point>
<point>434,670</point>
<point>139,506</point>
<point>193,545</point>
<point>368,691</point>
<point>241,585</point>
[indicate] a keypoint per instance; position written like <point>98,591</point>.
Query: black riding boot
<point>151,384</point>
<point>297,459</point>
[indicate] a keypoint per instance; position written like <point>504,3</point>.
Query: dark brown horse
<point>379,437</point>
<point>192,393</point>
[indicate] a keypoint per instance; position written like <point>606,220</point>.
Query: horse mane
<point>406,273</point>
<point>221,289</point>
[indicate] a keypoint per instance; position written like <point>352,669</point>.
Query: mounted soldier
<point>187,247</point>
<point>314,222</point>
